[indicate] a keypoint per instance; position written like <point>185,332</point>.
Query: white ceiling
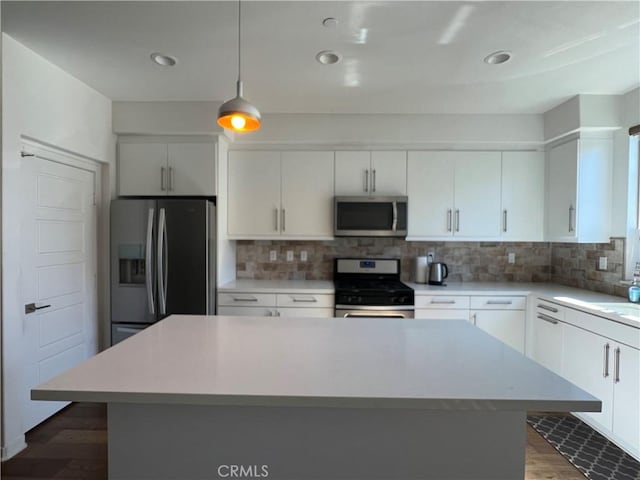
<point>560,48</point>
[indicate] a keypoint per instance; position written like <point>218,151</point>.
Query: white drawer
<point>306,312</point>
<point>247,311</point>
<point>304,300</point>
<point>247,299</point>
<point>438,314</point>
<point>549,309</point>
<point>442,301</point>
<point>498,303</point>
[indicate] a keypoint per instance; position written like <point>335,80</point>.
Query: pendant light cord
<point>239,44</point>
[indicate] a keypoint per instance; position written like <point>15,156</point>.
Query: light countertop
<point>319,362</point>
<point>607,306</point>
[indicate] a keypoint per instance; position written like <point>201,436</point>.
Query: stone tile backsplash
<point>575,265</point>
<point>563,263</point>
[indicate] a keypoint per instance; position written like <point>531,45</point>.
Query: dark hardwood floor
<point>72,445</point>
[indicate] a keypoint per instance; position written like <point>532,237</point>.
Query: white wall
<point>166,118</point>
<point>323,130</point>
<point>44,103</point>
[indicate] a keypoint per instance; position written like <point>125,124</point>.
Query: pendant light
<point>237,114</point>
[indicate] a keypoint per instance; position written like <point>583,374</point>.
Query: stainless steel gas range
<point>371,287</point>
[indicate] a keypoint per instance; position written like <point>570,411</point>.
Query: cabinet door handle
<point>605,361</point>
<point>473,318</point>
<point>373,180</point>
<point>547,318</point>
<point>304,299</point>
<point>276,219</point>
<point>162,187</point>
<point>170,179</point>
<point>504,220</point>
<point>283,224</point>
<point>366,181</point>
<point>245,299</point>
<point>542,306</point>
<point>442,302</point>
<point>448,220</point>
<point>457,220</point>
<point>499,302</point>
<point>571,211</point>
<point>616,367</point>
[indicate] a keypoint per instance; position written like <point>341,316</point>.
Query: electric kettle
<point>437,273</point>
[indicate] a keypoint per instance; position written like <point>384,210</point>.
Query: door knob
<point>31,307</point>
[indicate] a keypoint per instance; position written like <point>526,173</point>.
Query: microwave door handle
<point>394,226</point>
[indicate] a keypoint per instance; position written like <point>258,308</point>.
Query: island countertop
<point>317,362</point>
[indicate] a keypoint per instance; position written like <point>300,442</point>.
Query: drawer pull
<point>304,300</point>
<point>499,302</point>
<point>443,302</point>
<point>547,318</point>
<point>245,299</point>
<point>547,308</point>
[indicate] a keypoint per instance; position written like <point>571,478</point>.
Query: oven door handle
<point>364,315</point>
<point>379,308</point>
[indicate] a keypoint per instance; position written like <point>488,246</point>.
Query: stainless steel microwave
<point>370,217</point>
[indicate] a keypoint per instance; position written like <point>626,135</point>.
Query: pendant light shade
<point>238,114</point>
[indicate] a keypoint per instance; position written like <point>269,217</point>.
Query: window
<point>632,253</point>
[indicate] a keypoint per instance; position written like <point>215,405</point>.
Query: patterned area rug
<point>591,453</point>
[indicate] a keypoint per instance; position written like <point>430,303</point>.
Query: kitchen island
<point>205,397</point>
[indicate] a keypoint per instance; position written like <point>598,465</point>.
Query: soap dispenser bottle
<point>634,289</point>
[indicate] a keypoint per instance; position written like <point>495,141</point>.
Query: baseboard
<point>12,448</point>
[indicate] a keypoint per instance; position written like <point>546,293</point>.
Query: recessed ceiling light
<point>328,57</point>
<point>164,60</point>
<point>496,58</point>
<point>330,22</point>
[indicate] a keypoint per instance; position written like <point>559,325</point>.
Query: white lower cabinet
<point>502,317</point>
<point>283,304</point>
<point>600,356</point>
<point>442,307</point>
<point>548,334</point>
<point>626,397</point>
<point>586,362</point>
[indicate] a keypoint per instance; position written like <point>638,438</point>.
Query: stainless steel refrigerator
<point>162,261</point>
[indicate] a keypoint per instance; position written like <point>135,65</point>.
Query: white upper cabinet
<point>430,185</point>
<point>454,194</point>
<point>523,196</point>
<point>254,194</point>
<point>154,169</point>
<point>380,173</point>
<point>307,194</point>
<point>280,195</point>
<point>142,169</point>
<point>191,168</point>
<point>477,195</point>
<point>388,173</point>
<point>579,190</point>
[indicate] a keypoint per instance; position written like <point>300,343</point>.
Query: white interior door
<point>58,276</point>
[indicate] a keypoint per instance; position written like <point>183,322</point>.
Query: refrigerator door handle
<point>162,273</point>
<point>149,263</point>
